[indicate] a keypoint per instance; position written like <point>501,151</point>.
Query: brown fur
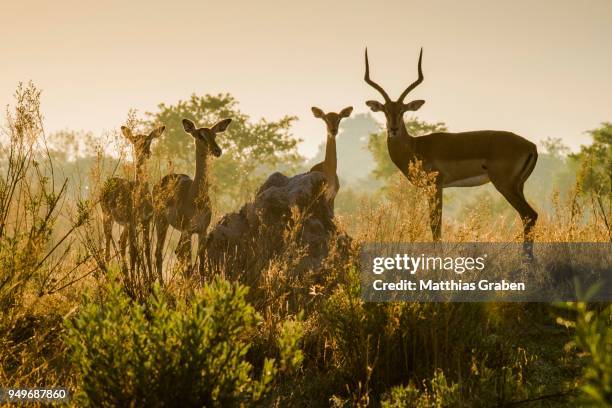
<point>459,159</point>
<point>184,202</point>
<point>329,165</point>
<point>128,202</point>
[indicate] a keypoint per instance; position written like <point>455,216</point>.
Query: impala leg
<point>133,252</point>
<point>123,242</point>
<point>514,195</point>
<point>435,212</point>
<point>107,224</point>
<point>183,252</point>
<point>201,253</point>
<point>146,236</point>
<point>529,218</point>
<point>161,228</point>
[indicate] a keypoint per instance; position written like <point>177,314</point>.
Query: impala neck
<point>140,178</point>
<point>401,148</point>
<point>140,187</point>
<point>199,186</point>
<point>330,164</point>
<point>140,172</point>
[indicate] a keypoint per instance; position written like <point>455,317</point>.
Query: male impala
<point>330,164</point>
<point>184,203</point>
<point>463,159</point>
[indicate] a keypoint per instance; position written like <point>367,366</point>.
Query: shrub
<point>30,205</point>
<point>154,354</point>
<point>35,241</point>
<point>436,393</point>
<point>593,334</point>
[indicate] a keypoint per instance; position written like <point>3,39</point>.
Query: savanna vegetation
<point>71,317</point>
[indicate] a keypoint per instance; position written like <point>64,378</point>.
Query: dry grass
<point>354,352</point>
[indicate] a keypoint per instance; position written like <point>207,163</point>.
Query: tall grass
<point>66,310</point>
<point>36,259</point>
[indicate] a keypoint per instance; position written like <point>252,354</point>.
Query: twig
<point>72,282</point>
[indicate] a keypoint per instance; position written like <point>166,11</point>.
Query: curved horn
<point>415,83</point>
<point>372,83</point>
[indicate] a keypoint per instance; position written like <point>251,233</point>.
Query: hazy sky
<point>538,68</point>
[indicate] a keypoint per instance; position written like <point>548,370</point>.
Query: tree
<point>378,145</point>
<point>555,147</point>
<point>596,162</point>
<point>595,171</point>
<point>251,150</point>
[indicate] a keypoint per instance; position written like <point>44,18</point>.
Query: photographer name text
<point>448,285</point>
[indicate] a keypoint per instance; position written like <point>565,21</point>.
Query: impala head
<point>142,143</point>
<point>205,137</point>
<point>394,110</point>
<point>332,119</point>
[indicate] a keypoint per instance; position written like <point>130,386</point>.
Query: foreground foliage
<point>296,337</point>
<point>593,326</point>
<point>159,354</point>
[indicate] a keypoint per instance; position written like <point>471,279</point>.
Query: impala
<point>462,159</point>
<point>184,202</point>
<point>128,202</point>
<point>330,164</point>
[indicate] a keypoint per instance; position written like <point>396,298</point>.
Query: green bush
<point>156,354</point>
<point>437,393</point>
<point>593,334</point>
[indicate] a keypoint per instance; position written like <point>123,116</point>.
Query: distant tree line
<point>254,149</point>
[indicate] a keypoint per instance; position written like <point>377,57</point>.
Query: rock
<point>286,212</point>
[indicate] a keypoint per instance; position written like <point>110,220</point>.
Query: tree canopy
<point>595,161</point>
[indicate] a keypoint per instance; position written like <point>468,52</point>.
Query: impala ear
<point>375,106</point>
<point>414,105</point>
<point>156,132</point>
<point>127,132</point>
<point>318,113</point>
<point>189,126</point>
<point>221,126</point>
<point>346,112</point>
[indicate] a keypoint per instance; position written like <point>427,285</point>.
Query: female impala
<point>128,203</point>
<point>330,164</point>
<point>184,203</point>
